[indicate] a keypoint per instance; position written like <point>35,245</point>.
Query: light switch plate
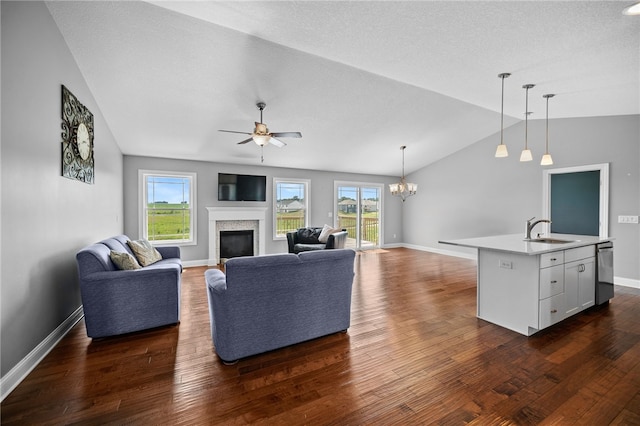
<point>627,219</point>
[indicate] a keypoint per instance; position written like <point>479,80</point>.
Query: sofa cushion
<point>308,235</point>
<point>299,248</point>
<point>326,231</point>
<point>144,252</point>
<point>123,261</point>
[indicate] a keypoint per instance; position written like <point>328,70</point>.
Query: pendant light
<point>403,189</point>
<point>546,158</point>
<point>501,150</point>
<point>526,152</point>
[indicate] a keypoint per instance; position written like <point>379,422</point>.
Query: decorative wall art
<point>77,139</point>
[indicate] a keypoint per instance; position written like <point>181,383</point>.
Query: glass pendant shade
<point>501,150</point>
<point>526,155</point>
<point>261,140</point>
<point>546,160</point>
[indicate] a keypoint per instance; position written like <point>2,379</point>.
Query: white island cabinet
<point>527,286</point>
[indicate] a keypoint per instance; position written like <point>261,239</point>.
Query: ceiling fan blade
<point>245,141</point>
<point>233,131</point>
<point>287,134</point>
<point>276,142</point>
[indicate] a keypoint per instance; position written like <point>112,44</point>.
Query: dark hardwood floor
<point>415,354</point>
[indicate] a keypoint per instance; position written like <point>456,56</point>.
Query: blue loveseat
<point>269,302</point>
<point>122,301</point>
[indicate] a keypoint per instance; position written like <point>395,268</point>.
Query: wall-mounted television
<point>233,187</point>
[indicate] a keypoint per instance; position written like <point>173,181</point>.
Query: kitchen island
<point>526,286</point>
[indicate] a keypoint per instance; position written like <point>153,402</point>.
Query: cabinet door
<point>571,279</point>
<point>579,285</point>
<point>587,284</point>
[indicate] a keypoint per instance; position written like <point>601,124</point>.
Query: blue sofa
<point>269,302</point>
<point>122,301</point>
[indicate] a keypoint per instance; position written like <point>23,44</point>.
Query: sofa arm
<point>215,280</point>
<point>169,252</point>
<point>337,240</point>
<point>291,240</point>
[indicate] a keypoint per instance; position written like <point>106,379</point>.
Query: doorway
<point>358,209</point>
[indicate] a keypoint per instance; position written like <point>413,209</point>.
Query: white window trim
<point>142,197</point>
<point>307,203</point>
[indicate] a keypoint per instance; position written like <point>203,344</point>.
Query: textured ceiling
<point>358,79</point>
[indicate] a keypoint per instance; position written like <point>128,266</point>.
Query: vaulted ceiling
<point>358,79</point>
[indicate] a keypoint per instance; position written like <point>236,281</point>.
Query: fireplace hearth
<point>236,243</point>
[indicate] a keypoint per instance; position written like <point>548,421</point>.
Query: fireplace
<point>236,243</point>
<point>236,219</point>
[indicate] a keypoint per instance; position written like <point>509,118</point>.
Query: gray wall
<point>45,218</point>
<point>321,197</point>
<point>472,194</point>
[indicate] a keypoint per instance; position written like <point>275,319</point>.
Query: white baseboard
<point>626,282</point>
<point>18,373</point>
<point>471,256</point>
<point>194,263</point>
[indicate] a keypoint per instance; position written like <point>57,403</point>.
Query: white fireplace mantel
<point>219,214</point>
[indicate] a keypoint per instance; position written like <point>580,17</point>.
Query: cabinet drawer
<point>579,253</point>
<point>551,311</point>
<point>551,281</point>
<point>551,259</point>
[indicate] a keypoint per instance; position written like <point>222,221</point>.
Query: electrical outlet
<point>506,264</point>
<point>627,219</point>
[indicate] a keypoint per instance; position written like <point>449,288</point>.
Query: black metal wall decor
<point>77,139</point>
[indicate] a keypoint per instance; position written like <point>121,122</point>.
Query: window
<point>291,206</point>
<point>167,207</point>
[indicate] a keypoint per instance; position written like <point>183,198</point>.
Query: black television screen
<point>232,187</point>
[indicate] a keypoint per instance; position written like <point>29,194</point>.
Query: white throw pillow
<point>326,231</point>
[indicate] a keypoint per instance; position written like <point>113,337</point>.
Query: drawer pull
<point>553,259</point>
<point>554,281</point>
<point>553,311</point>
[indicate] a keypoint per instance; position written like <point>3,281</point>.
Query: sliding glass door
<point>358,209</point>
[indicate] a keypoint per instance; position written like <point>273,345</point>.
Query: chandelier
<point>403,189</point>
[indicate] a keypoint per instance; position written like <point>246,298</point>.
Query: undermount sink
<point>550,241</point>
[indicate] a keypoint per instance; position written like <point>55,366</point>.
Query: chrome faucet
<point>531,225</point>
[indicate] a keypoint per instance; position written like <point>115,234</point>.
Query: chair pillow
<point>145,252</point>
<point>123,261</point>
<point>308,235</point>
<point>326,231</point>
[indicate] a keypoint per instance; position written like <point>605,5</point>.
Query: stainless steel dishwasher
<point>604,275</point>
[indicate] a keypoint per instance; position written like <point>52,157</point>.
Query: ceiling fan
<point>261,135</point>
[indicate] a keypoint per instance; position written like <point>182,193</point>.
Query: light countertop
<point>515,243</point>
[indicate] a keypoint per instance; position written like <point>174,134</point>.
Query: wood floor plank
<point>415,354</point>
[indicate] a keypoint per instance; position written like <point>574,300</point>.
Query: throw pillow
<point>123,261</point>
<point>326,231</point>
<point>145,252</point>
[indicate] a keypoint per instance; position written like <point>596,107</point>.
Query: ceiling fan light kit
<point>261,135</point>
<point>403,189</point>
